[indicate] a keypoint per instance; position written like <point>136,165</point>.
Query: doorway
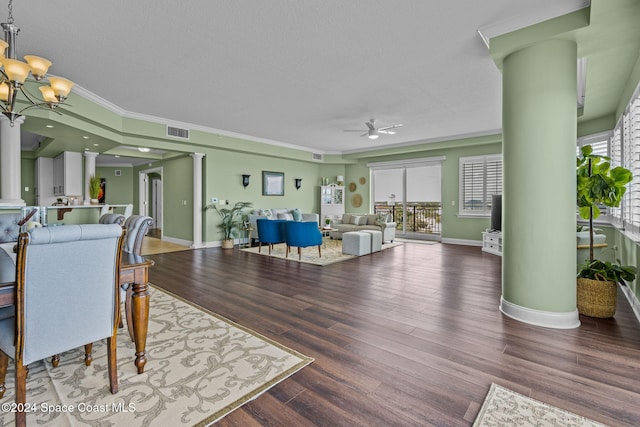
<point>151,199</point>
<point>411,192</point>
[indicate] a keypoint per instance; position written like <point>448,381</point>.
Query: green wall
<point>118,189</point>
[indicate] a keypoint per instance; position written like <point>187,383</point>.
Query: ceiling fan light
<point>17,71</point>
<point>373,136</point>
<point>4,92</point>
<point>61,87</point>
<point>39,66</point>
<point>48,94</point>
<point>3,46</point>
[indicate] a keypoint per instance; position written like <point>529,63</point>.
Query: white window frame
<point>485,210</point>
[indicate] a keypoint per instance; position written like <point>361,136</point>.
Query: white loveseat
<point>359,222</point>
<point>292,214</point>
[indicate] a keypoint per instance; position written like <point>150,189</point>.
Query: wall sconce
<point>245,180</point>
<point>298,183</point>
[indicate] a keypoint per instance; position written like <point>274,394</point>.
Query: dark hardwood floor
<point>411,336</point>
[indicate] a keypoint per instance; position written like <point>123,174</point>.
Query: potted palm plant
<point>599,184</point>
<point>94,189</point>
<point>231,220</point>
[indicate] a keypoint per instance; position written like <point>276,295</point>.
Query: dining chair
<point>66,297</point>
<point>128,210</point>
<point>302,234</point>
<point>137,227</point>
<point>104,209</point>
<point>111,218</point>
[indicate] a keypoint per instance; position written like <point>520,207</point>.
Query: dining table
<point>134,270</point>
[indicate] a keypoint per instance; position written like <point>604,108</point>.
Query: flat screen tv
<point>496,212</point>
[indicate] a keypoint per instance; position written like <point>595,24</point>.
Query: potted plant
<point>231,221</point>
<point>599,184</point>
<point>598,287</point>
<point>94,189</point>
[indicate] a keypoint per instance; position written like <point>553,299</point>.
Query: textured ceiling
<point>297,72</point>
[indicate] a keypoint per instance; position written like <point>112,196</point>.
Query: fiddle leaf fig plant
<point>598,184</point>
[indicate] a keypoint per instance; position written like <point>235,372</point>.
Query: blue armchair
<point>270,231</point>
<point>66,296</point>
<point>302,235</point>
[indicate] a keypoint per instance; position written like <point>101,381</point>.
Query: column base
<point>12,202</point>
<point>547,319</point>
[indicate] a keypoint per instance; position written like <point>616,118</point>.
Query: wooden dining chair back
<point>67,296</point>
<point>111,218</point>
<point>137,227</point>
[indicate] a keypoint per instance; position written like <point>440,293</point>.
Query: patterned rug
<point>200,367</point>
<point>503,407</point>
<point>331,252</point>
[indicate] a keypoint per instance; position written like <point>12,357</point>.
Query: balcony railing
<point>421,218</point>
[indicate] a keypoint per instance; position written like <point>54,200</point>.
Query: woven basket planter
<point>597,298</point>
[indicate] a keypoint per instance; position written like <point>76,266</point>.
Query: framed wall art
<point>272,183</point>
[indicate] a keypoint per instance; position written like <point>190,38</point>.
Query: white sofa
<point>279,213</point>
<point>360,222</point>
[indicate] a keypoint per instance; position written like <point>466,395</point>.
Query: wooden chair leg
<point>299,253</point>
<point>55,360</point>
<point>320,251</point>
<point>112,363</point>
<point>21,393</point>
<point>4,362</point>
<point>88,348</point>
<point>128,310</point>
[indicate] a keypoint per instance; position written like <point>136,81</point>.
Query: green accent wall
<point>118,189</point>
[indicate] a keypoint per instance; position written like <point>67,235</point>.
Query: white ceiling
<point>296,72</point>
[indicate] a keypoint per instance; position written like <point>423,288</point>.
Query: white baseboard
<point>547,319</point>
<point>177,241</point>
<point>462,242</point>
<point>633,300</point>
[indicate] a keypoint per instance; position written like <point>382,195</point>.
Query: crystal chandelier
<point>15,73</point>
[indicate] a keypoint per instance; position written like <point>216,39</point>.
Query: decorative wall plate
<point>363,180</point>
<point>352,186</point>
<point>356,200</point>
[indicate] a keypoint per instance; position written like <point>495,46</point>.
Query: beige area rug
<point>152,246</point>
<point>505,408</point>
<point>200,367</point>
<point>331,254</point>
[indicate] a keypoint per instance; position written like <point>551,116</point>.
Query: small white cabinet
<point>67,174</point>
<point>331,201</point>
<point>492,242</point>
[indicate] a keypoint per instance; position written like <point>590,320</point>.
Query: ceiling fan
<point>373,133</point>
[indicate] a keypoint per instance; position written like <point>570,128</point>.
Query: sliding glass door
<point>412,194</point>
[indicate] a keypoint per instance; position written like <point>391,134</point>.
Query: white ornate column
<point>10,162</point>
<point>197,200</point>
<point>89,169</point>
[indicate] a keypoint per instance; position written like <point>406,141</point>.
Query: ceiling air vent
<point>316,156</point>
<point>177,132</point>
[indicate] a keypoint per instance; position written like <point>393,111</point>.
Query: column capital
<point>197,155</point>
<point>91,154</point>
<point>18,120</point>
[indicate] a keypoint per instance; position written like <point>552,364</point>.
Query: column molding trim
<point>547,319</point>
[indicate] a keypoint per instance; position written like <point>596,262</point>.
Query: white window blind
<point>480,178</point>
<point>631,160</point>
<point>616,160</point>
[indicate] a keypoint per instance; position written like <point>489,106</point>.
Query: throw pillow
<point>266,213</point>
<point>286,216</point>
<point>297,215</point>
<point>359,220</point>
<point>381,219</point>
<point>346,218</point>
